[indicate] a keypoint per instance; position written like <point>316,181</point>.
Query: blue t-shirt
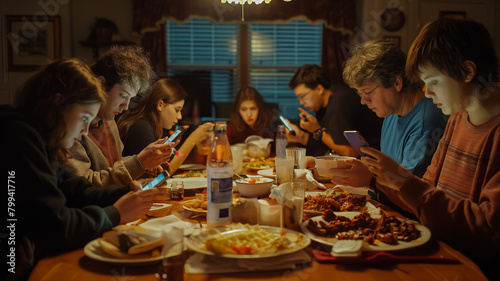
<point>411,140</point>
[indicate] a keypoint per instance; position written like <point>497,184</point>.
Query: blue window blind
<point>201,45</point>
<point>276,51</point>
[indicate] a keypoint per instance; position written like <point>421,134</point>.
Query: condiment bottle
<point>220,178</point>
<point>177,190</point>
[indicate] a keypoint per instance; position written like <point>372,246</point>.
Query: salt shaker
<point>177,190</point>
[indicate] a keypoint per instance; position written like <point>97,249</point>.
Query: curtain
<point>337,16</point>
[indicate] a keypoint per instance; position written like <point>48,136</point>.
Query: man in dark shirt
<point>337,108</point>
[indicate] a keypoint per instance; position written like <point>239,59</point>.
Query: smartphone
<point>287,125</point>
<point>156,181</point>
<point>176,135</point>
<point>357,141</point>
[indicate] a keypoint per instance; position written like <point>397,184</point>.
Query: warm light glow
<point>242,2</point>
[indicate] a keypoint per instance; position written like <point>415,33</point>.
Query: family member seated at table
<point>124,72</point>
<point>337,109</point>
<point>57,211</point>
<point>413,125</point>
<point>158,111</point>
<point>458,198</point>
<point>249,117</point>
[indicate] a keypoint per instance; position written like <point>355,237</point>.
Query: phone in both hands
<point>357,141</point>
<point>177,134</point>
<point>156,181</point>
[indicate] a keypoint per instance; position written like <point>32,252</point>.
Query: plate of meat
<point>315,203</point>
<point>378,232</point>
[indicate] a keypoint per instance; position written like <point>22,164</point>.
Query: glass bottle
<point>281,141</point>
<point>220,178</point>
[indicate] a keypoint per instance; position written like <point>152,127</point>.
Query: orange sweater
<point>459,198</point>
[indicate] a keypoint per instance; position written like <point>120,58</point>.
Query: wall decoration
<point>392,19</point>
<point>31,44</point>
<point>396,40</point>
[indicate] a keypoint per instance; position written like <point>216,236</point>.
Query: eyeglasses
<point>367,95</point>
<point>302,96</point>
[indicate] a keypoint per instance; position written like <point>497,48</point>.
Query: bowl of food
<point>254,187</point>
<point>325,163</point>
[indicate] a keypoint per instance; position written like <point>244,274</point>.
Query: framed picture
<point>396,40</point>
<point>31,44</point>
<point>452,14</point>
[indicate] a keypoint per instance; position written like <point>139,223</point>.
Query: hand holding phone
<point>177,134</point>
<point>357,141</point>
<point>156,181</point>
<point>287,125</point>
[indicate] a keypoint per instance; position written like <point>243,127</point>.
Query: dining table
<point>76,265</point>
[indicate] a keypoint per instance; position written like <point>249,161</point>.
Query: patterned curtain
<point>338,17</point>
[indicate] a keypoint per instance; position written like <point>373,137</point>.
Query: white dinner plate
<point>198,211</point>
<point>94,251</point>
<point>190,183</point>
<point>192,167</point>
<point>197,244</point>
<point>425,235</point>
<point>268,173</point>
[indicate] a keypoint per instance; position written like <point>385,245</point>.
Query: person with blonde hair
<point>458,198</point>
<point>156,113</point>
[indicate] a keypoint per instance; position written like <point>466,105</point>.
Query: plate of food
<point>197,205</point>
<point>127,245</point>
<point>243,241</point>
<point>378,232</point>
<point>259,163</point>
<point>315,203</point>
<point>193,166</point>
<point>191,174</point>
<point>190,183</point>
<point>268,173</point>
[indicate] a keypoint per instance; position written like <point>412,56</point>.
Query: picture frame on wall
<point>396,40</point>
<point>32,41</point>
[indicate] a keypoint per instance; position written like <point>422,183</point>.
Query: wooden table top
<point>75,265</point>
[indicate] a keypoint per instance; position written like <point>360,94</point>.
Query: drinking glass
<point>284,169</point>
<point>299,156</point>
<point>293,210</point>
<point>205,146</point>
<point>237,152</point>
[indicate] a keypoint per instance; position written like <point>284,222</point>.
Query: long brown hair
<point>251,94</point>
<point>47,94</point>
<point>168,90</point>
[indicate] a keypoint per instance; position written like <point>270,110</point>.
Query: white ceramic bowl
<point>260,188</point>
<point>325,163</point>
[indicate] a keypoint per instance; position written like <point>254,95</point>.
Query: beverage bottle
<point>281,142</point>
<point>220,178</point>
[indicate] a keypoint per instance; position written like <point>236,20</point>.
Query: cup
<point>237,152</point>
<point>293,209</point>
<point>205,146</point>
<point>269,214</point>
<point>284,169</point>
<point>299,156</point>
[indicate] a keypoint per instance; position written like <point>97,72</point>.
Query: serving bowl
<point>325,163</point>
<point>254,187</point>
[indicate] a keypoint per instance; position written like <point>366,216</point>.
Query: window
<point>274,52</point>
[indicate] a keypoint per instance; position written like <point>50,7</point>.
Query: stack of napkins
<point>205,264</point>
